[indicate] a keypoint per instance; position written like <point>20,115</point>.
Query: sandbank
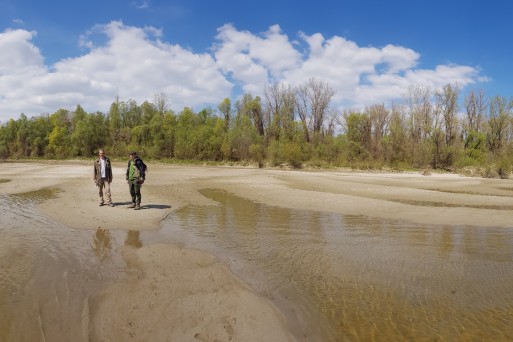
<point>183,294</point>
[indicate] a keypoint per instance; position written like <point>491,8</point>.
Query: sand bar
<point>217,305</point>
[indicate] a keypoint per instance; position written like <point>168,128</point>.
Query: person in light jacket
<point>103,177</point>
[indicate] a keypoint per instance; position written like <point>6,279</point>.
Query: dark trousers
<point>135,190</point>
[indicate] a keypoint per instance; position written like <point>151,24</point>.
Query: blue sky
<point>58,54</point>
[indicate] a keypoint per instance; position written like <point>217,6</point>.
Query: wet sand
<point>181,294</point>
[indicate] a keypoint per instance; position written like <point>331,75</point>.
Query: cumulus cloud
<point>359,75</point>
<point>135,63</point>
<point>254,60</point>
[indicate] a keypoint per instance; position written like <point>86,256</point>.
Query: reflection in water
<point>102,244</point>
<point>47,271</point>
<point>133,239</point>
<point>356,278</point>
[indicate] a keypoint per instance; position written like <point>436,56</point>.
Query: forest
<point>297,127</point>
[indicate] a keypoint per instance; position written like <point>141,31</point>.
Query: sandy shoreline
<point>219,306</point>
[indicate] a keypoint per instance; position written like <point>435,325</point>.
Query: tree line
<point>294,126</point>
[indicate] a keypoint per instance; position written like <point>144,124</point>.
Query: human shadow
<point>143,206</point>
<point>156,206</point>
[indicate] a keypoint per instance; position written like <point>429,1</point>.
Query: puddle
<point>37,196</point>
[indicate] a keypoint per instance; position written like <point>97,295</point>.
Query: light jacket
<point>98,172</point>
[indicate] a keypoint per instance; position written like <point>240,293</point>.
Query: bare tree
<point>475,105</point>
<point>332,119</point>
<point>160,103</point>
<point>379,120</point>
<point>399,140</point>
<point>421,112</point>
<point>312,102</point>
<point>447,105</point>
<point>279,109</point>
<point>422,121</point>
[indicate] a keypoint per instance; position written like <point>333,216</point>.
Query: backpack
<point>142,171</point>
<point>145,168</point>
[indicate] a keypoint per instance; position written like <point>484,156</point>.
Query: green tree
<point>358,133</point>
<point>225,108</point>
<point>242,136</point>
<point>59,140</point>
<point>148,110</point>
<point>164,135</point>
<point>252,108</point>
<point>41,128</point>
<point>498,121</point>
<point>186,138</point>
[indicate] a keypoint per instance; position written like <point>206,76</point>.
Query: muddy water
<point>335,277</point>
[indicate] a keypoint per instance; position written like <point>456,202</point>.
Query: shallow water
<point>335,277</point>
<point>355,278</point>
<point>47,272</point>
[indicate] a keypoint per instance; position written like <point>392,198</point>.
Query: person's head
<point>101,152</point>
<point>132,154</point>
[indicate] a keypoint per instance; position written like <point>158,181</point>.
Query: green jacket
<point>140,169</point>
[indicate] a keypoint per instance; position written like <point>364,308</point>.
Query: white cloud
<point>135,63</point>
<point>360,75</point>
<point>18,53</point>
<point>142,4</point>
<point>253,60</point>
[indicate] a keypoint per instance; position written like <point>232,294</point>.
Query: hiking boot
<point>137,206</point>
<point>110,204</point>
<point>101,204</point>
<point>131,206</point>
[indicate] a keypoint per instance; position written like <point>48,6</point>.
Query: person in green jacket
<point>135,174</point>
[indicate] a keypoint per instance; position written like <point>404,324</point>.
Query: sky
<point>60,54</point>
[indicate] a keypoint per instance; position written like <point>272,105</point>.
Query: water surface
<point>356,278</point>
<point>335,277</point>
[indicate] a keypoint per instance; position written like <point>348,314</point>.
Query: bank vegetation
<point>431,129</point>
